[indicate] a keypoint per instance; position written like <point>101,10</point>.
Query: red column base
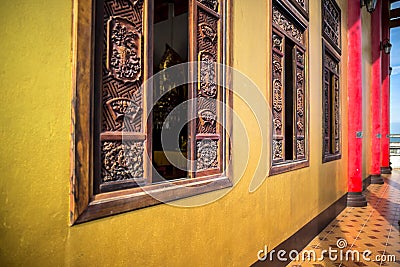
<point>376,179</point>
<point>386,170</point>
<point>356,199</point>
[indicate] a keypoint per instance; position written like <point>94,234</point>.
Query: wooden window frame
<point>329,102</point>
<point>293,14</point>
<point>85,205</point>
<point>331,26</point>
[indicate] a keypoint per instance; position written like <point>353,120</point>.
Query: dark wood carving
<point>123,108</point>
<point>207,143</point>
<point>207,114</point>
<point>336,112</point>
<point>277,96</point>
<point>302,3</point>
<point>122,161</point>
<point>212,4</point>
<point>331,23</point>
<point>108,101</point>
<point>121,95</point>
<point>207,154</point>
<point>288,95</point>
<point>123,58</point>
<point>326,121</point>
<point>126,84</point>
<point>277,149</point>
<point>331,105</point>
<point>207,32</point>
<point>287,26</point>
<point>330,63</point>
<point>300,104</point>
<point>208,83</point>
<point>302,6</point>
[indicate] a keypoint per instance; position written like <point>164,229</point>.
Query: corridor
<point>374,228</point>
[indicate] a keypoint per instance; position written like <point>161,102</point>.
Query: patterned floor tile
<point>374,228</point>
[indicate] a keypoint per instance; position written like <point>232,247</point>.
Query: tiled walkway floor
<point>374,228</point>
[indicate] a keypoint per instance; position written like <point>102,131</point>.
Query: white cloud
<point>395,70</point>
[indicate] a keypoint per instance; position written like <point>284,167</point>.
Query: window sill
<point>331,157</point>
<point>288,166</point>
<point>112,203</point>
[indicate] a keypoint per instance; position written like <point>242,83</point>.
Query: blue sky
<point>395,77</point>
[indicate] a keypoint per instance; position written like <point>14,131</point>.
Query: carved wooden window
<point>289,89</point>
<point>331,48</point>
<point>112,138</point>
<point>331,23</point>
<point>301,6</point>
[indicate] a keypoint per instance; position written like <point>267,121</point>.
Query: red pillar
<point>385,93</point>
<point>354,197</point>
<point>375,94</point>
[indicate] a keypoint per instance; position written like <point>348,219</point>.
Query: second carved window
<point>331,49</point>
<point>289,96</point>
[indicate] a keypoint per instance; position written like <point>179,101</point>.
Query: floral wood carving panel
<point>121,95</point>
<point>121,61</point>
<point>300,104</point>
<point>336,127</point>
<point>208,83</point>
<point>326,121</point>
<point>282,22</point>
<point>123,58</point>
<point>122,161</point>
<point>208,91</point>
<point>277,147</point>
<point>207,154</point>
<point>277,98</point>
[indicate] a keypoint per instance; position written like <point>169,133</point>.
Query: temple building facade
<point>187,132</point>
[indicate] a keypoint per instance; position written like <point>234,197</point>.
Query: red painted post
<point>375,94</point>
<point>354,70</point>
<point>385,121</point>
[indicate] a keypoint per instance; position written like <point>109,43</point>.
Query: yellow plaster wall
<point>366,111</point>
<point>35,109</point>
<point>35,81</point>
